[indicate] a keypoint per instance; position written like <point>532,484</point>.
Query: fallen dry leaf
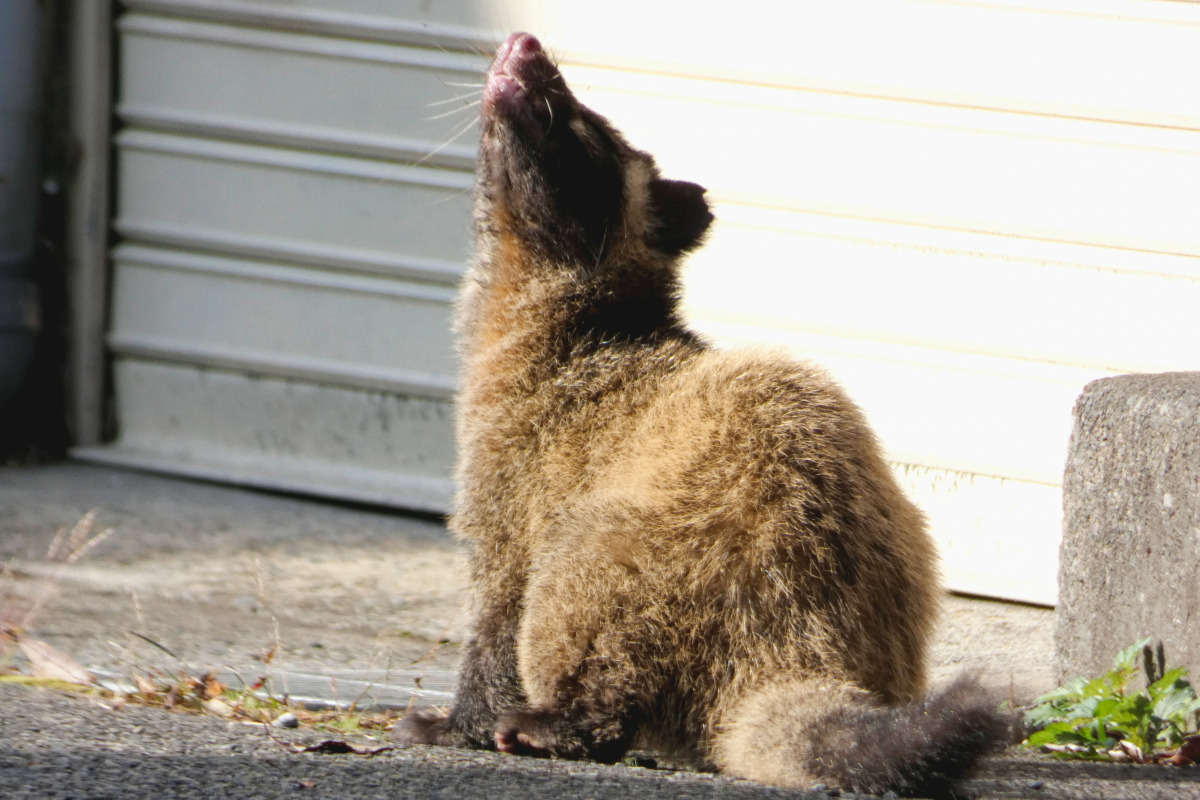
<point>339,747</point>
<point>50,663</point>
<point>1190,749</point>
<point>1187,754</point>
<point>211,688</point>
<point>1127,751</point>
<point>147,689</point>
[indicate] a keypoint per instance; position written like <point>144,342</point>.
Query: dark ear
<point>682,214</point>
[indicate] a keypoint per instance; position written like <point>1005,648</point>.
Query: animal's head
<point>558,177</point>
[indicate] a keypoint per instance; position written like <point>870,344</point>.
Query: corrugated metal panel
<point>965,210</point>
<point>243,427</point>
<point>332,328</point>
<point>288,89</point>
<point>295,214</point>
<point>370,216</point>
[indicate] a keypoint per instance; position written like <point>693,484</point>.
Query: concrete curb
<point>1130,559</point>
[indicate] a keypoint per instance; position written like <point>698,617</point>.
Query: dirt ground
<point>219,576</point>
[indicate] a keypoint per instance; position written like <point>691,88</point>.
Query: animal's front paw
<point>516,734</point>
<point>429,726</point>
<point>544,733</point>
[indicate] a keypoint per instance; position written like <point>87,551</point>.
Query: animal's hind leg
<point>586,652</point>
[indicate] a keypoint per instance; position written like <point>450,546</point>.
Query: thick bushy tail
<point>802,732</point>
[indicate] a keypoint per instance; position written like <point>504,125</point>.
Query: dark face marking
<point>553,164</point>
<point>553,179</point>
<point>582,168</point>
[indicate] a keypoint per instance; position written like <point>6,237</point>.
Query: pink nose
<point>509,75</point>
<point>518,45</point>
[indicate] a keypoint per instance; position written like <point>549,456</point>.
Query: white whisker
<point>449,100</point>
<point>600,253</point>
<point>466,106</point>
<point>461,131</point>
<point>452,197</point>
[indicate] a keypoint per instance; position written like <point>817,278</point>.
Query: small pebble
<point>286,720</point>
<point>1036,785</point>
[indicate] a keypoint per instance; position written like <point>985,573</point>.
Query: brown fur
<point>695,551</point>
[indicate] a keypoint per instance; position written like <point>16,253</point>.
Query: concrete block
<point>1130,559</point>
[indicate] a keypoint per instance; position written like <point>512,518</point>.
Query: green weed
<point>1106,718</point>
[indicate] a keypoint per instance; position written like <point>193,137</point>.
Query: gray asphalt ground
<point>325,601</point>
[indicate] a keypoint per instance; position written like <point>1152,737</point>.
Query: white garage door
<point>965,210</point>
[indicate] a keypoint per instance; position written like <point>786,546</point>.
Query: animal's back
<point>766,536</point>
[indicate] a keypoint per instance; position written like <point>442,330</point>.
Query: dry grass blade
<point>154,644</point>
<point>69,546</point>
